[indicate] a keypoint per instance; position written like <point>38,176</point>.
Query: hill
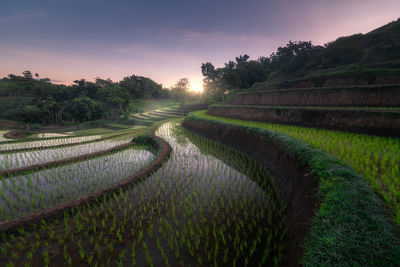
<point>371,58</point>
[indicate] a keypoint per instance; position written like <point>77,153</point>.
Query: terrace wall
<point>368,121</point>
<point>296,185</point>
<point>334,82</point>
<point>380,96</point>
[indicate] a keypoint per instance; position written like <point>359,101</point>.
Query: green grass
<point>351,227</point>
<point>118,125</point>
<point>149,105</point>
<point>93,131</point>
<point>352,71</point>
<point>376,158</point>
<point>358,71</point>
<point>7,86</point>
<point>104,131</point>
<point>374,109</point>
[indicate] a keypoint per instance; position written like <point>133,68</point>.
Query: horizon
<point>72,41</point>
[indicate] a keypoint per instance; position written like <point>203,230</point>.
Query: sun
<point>196,87</point>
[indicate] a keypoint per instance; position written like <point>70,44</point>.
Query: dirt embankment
<point>380,96</point>
<point>335,82</point>
<point>15,134</point>
<point>377,122</point>
<point>296,185</point>
<point>9,124</point>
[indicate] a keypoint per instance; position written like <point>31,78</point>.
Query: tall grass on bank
<point>376,158</point>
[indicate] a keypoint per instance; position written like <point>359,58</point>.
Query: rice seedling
<point>27,158</point>
<point>208,205</point>
<point>376,158</point>
<point>44,189</point>
<point>48,142</point>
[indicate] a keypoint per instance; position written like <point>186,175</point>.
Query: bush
<point>85,109</point>
<point>27,114</point>
<point>34,126</point>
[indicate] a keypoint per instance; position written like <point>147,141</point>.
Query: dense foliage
<point>33,100</point>
<point>298,59</point>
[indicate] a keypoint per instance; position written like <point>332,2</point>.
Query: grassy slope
<point>373,109</point>
<point>359,71</point>
<point>9,86</point>
<point>360,56</point>
<point>376,158</point>
<point>352,226</point>
<point>353,71</point>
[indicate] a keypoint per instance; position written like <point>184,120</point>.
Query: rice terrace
<point>286,159</point>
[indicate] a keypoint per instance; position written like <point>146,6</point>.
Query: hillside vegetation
<point>361,56</point>
<point>38,102</point>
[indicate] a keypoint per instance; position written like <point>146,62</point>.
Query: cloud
<point>26,15</point>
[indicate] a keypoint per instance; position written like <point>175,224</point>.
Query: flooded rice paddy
<point>48,142</point>
<point>45,189</point>
<point>27,158</point>
<point>209,205</point>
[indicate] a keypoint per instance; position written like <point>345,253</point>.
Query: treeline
<point>301,58</point>
<point>33,100</point>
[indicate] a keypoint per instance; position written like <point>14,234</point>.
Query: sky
<point>166,40</point>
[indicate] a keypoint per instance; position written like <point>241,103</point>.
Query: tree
<point>85,109</point>
<point>241,61</point>
<point>114,96</point>
<point>104,83</point>
<point>46,80</point>
<point>180,90</point>
<point>141,87</point>
<point>212,81</point>
<point>50,109</point>
<point>80,82</point>
<point>291,58</point>
<point>27,75</point>
<point>27,114</point>
<point>208,71</point>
